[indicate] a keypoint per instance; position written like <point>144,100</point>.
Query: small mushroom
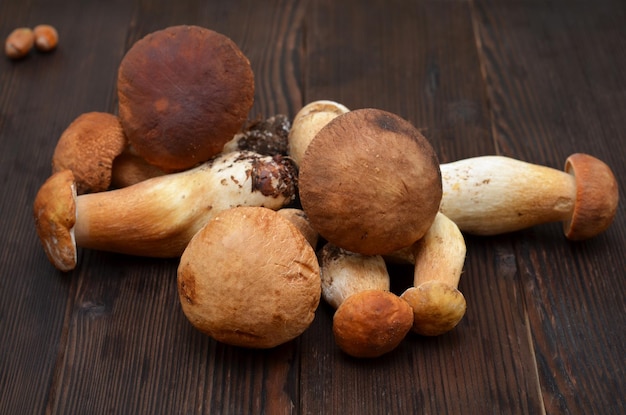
<point>249,278</point>
<point>308,122</point>
<point>156,217</point>
<point>439,256</point>
<point>370,182</point>
<point>369,320</point>
<point>490,195</point>
<point>183,91</point>
<point>88,147</point>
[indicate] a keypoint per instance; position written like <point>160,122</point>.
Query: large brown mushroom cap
<point>371,323</point>
<point>88,147</point>
<point>54,211</point>
<point>183,93</point>
<point>370,182</point>
<point>249,278</point>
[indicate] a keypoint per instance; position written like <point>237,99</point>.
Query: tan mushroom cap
<point>597,197</point>
<point>183,91</point>
<point>437,307</point>
<point>370,182</point>
<point>249,278</point>
<point>88,147</point>
<point>371,323</point>
<point>54,210</point>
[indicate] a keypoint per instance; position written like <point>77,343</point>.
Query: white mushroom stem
<point>439,257</point>
<point>494,194</point>
<point>345,273</point>
<point>158,217</point>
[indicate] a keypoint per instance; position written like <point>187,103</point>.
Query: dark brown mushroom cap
<point>183,93</point>
<point>54,211</point>
<point>370,182</point>
<point>88,147</point>
<point>437,307</point>
<point>249,278</point>
<point>597,197</point>
<point>371,323</point>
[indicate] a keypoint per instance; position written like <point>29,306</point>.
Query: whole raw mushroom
<point>183,91</point>
<point>249,278</point>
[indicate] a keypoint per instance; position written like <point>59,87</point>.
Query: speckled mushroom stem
<point>158,217</point>
<point>494,194</point>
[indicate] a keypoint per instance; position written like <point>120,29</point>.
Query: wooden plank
<point>420,61</point>
<point>556,79</point>
<point>39,96</point>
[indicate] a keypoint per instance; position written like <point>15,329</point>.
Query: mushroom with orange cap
<point>249,278</point>
<point>88,147</point>
<point>369,320</point>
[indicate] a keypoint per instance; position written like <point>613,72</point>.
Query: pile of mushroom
<point>268,217</point>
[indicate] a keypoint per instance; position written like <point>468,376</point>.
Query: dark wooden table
<point>545,328</point>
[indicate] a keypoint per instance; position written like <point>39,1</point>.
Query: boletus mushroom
<point>369,320</point>
<point>183,91</point>
<point>88,147</point>
<point>159,216</point>
<point>249,278</point>
<point>370,182</point>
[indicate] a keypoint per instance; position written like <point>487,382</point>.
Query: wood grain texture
<point>532,80</point>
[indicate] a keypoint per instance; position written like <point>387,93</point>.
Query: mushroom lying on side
<point>159,216</point>
<point>491,195</point>
<point>369,320</point>
<point>249,278</point>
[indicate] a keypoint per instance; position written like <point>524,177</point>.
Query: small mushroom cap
<point>370,182</point>
<point>88,147</point>
<point>437,307</point>
<point>249,278</point>
<point>597,197</point>
<point>54,211</point>
<point>184,91</point>
<point>371,323</point>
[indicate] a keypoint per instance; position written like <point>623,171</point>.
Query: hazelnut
<point>46,37</point>
<point>19,43</point>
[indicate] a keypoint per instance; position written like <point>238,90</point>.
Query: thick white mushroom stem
<point>159,216</point>
<point>439,256</point>
<point>369,320</point>
<point>491,195</point>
